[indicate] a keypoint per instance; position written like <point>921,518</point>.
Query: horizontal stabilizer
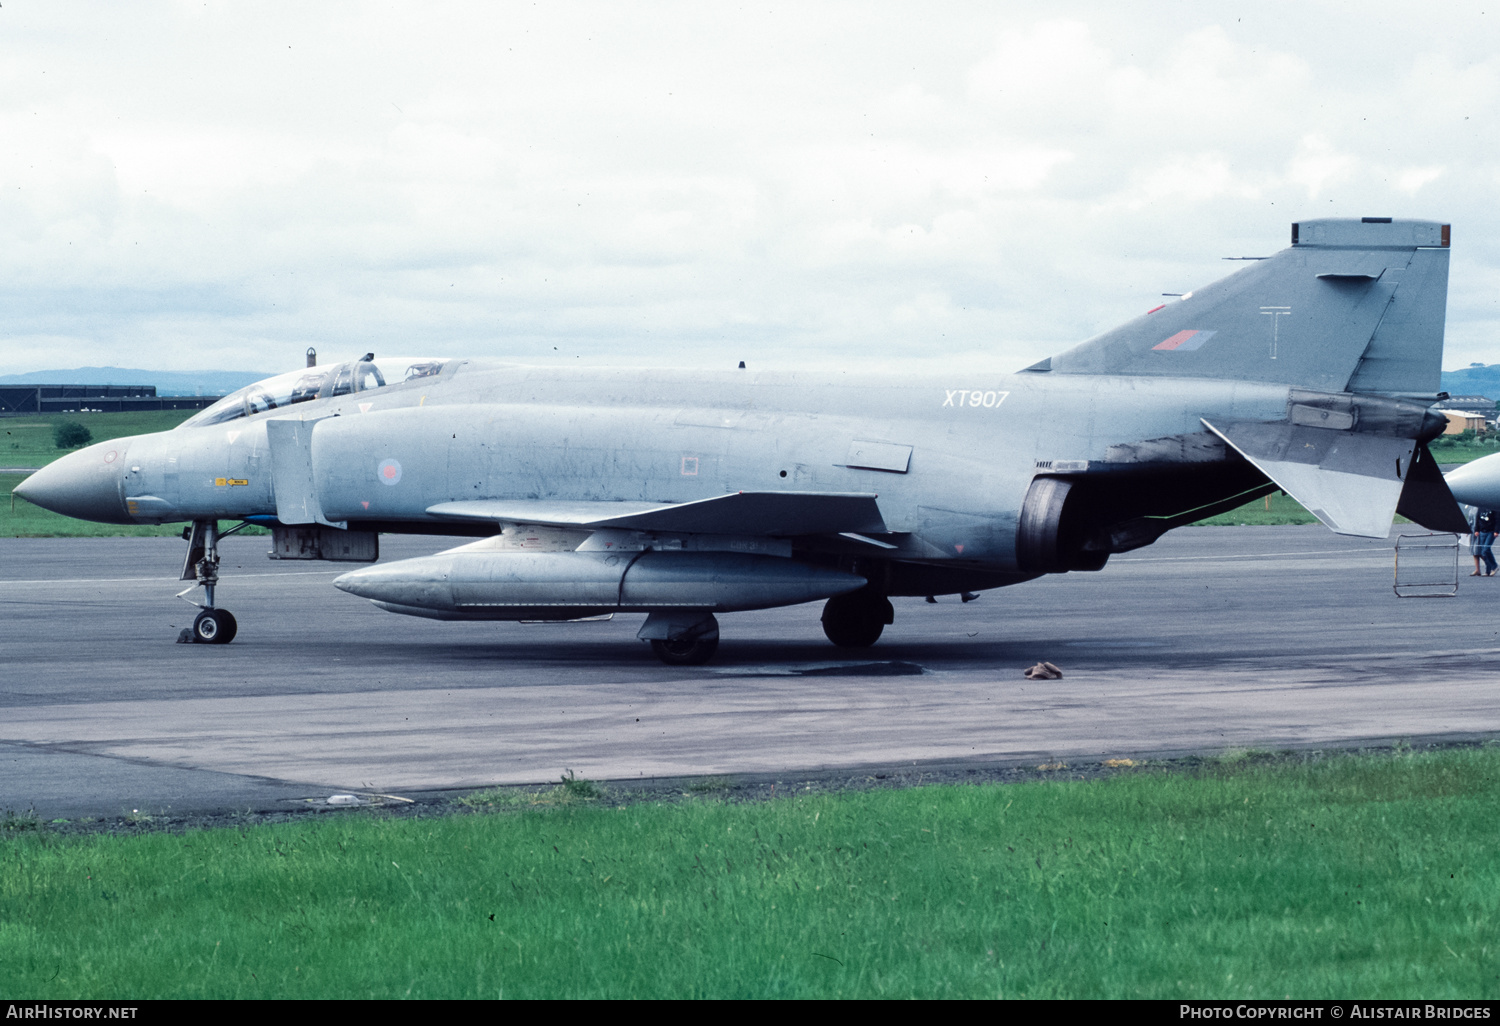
<point>785,514</point>
<point>1426,499</point>
<point>1350,481</point>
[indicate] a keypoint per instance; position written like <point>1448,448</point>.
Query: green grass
<point>1277,508</point>
<point>27,441</point>
<point>1375,876</point>
<point>1452,449</point>
<point>570,791</point>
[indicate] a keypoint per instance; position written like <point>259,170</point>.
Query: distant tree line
<point>69,434</point>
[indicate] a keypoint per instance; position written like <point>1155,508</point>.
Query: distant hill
<point>203,382</point>
<point>1484,380</point>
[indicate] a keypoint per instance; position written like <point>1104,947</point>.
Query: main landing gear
<point>686,651</point>
<point>681,637</point>
<point>856,620</point>
<point>212,626</point>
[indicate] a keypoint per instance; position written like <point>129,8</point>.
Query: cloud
<point>1317,164</point>
<point>1413,179</point>
<point>223,185</point>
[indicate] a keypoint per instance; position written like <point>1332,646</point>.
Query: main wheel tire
<point>856,620</point>
<point>214,627</point>
<point>687,651</point>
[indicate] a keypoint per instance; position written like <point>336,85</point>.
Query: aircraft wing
<point>783,514</point>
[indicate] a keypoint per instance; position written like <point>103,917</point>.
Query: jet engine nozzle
<point>87,484</point>
<point>1433,425</point>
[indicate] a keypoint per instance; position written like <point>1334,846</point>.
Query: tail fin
<point>1351,306</point>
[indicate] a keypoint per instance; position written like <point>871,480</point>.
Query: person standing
<point>1482,540</point>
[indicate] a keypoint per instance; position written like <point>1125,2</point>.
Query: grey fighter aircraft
<point>684,494</point>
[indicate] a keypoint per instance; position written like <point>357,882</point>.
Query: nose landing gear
<point>212,626</point>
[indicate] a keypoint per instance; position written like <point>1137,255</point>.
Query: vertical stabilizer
<point>1351,305</point>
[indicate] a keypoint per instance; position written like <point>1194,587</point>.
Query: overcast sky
<point>194,185</point>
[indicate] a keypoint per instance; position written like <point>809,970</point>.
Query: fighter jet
<point>683,494</point>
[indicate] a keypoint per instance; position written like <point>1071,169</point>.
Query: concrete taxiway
<point>1212,638</point>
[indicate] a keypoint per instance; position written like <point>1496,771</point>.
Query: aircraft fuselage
<point>959,454</point>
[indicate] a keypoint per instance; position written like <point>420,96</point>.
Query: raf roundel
<point>389,472</point>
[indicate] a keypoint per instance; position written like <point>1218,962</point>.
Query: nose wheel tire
<point>856,620</point>
<point>214,627</point>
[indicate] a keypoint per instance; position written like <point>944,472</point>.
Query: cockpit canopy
<point>300,386</point>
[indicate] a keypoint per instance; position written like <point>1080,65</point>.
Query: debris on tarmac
<point>1043,671</point>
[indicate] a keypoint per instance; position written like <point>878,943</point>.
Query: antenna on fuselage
<point>312,357</point>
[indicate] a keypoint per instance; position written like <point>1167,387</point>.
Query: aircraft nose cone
<point>84,484</point>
